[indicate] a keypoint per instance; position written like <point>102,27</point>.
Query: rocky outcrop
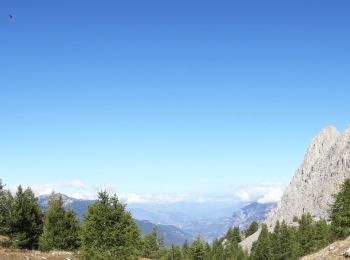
<point>325,167</point>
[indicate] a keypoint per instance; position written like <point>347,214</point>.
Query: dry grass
<point>16,254</point>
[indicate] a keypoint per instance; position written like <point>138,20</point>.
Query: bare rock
<point>325,167</point>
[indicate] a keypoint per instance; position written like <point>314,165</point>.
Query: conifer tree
<point>306,233</point>
<point>322,234</point>
<point>60,229</point>
<point>289,246</point>
<point>253,227</point>
<point>152,244</point>
<point>340,212</point>
<point>6,208</point>
<point>26,219</point>
<point>173,253</point>
<point>233,235</point>
<point>217,250</point>
<point>233,251</point>
<point>276,240</point>
<point>197,250</point>
<point>109,232</point>
<point>262,247</point>
<point>186,250</point>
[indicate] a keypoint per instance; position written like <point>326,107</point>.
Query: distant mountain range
<point>176,226</point>
<point>171,234</point>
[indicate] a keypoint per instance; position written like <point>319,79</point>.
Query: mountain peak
<point>325,167</point>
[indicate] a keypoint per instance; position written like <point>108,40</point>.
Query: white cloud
<point>262,193</point>
<point>75,188</point>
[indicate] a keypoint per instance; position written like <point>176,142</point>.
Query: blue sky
<point>158,97</point>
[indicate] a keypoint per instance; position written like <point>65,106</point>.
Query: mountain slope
<point>171,234</point>
<point>325,167</point>
<point>210,229</point>
<point>333,251</point>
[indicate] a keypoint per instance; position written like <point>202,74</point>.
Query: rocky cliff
<point>325,167</point>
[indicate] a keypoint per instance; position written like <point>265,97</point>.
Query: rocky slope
<point>337,250</point>
<point>325,167</point>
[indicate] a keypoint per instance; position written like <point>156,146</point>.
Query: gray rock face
<point>325,167</point>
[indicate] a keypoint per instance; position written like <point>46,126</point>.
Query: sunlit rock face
<point>325,167</point>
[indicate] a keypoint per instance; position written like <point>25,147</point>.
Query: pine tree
<point>61,229</point>
<point>253,227</point>
<point>340,212</point>
<point>173,253</point>
<point>26,219</point>
<point>217,250</point>
<point>262,247</point>
<point>289,247</point>
<point>306,233</point>
<point>6,208</point>
<point>276,240</point>
<point>108,231</point>
<point>186,250</point>
<point>322,236</point>
<point>233,251</point>
<point>197,250</point>
<point>233,235</point>
<point>152,244</point>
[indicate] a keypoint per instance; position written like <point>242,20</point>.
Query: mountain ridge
<point>325,166</point>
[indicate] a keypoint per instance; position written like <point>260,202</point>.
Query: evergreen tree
<point>233,251</point>
<point>306,233</point>
<point>6,208</point>
<point>276,240</point>
<point>197,250</point>
<point>322,234</point>
<point>217,250</point>
<point>262,248</point>
<point>289,246</point>
<point>26,219</point>
<point>152,245</point>
<point>61,229</point>
<point>233,235</point>
<point>340,212</point>
<point>186,250</point>
<point>253,227</point>
<point>173,253</point>
<point>108,231</point>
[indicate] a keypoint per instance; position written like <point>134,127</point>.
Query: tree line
<point>108,231</point>
<point>305,236</point>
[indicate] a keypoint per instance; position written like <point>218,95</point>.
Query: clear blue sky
<point>168,96</point>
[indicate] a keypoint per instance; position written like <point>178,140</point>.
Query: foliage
<point>173,253</point>
<point>233,235</point>
<point>108,231</point>
<point>284,242</point>
<point>262,248</point>
<point>6,202</point>
<point>152,245</point>
<point>340,212</point>
<point>61,228</point>
<point>253,227</point>
<point>26,219</point>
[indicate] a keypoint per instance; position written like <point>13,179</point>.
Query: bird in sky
<point>11,16</point>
